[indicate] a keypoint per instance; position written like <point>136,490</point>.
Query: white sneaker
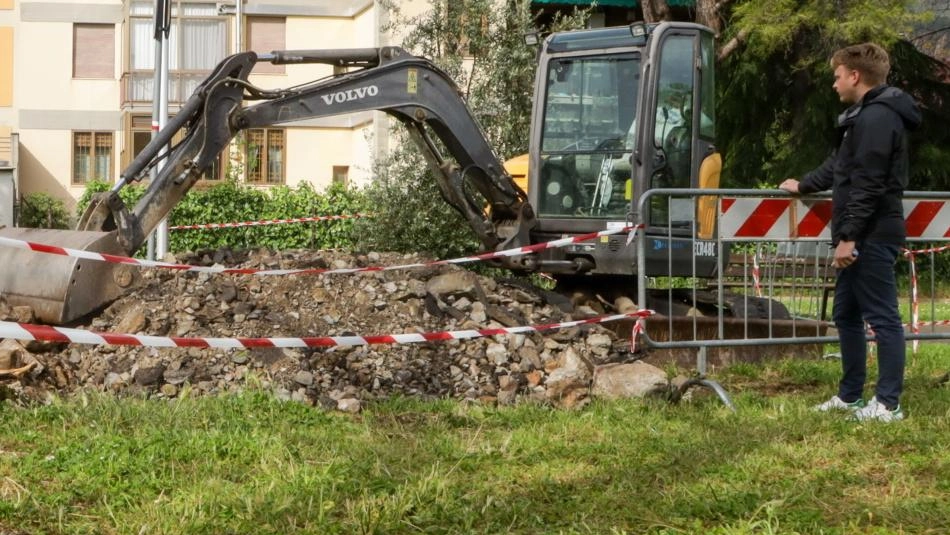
<point>876,411</point>
<point>838,404</point>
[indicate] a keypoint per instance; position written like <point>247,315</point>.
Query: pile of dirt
<point>556,366</point>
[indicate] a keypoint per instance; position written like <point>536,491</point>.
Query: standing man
<point>867,175</point>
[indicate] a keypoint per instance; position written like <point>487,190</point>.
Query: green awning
<point>612,3</point>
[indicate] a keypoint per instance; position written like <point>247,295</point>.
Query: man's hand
<point>790,185</point>
<point>845,254</point>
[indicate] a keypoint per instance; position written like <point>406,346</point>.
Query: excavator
<point>617,111</point>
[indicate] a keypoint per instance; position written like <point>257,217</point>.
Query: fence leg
<point>703,381</point>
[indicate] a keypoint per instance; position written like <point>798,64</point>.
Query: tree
<point>480,45</point>
<point>655,10</point>
<point>777,111</point>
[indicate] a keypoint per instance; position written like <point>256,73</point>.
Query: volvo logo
<point>350,94</point>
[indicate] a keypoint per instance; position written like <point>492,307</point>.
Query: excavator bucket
<point>58,288</point>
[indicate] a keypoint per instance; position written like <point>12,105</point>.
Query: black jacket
<point>869,171</point>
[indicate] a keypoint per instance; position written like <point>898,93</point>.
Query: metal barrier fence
<point>772,285</point>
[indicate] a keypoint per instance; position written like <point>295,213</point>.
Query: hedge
<point>231,202</point>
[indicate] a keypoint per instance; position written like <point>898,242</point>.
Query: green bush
<point>231,202</point>
<point>40,210</point>
<point>410,213</point>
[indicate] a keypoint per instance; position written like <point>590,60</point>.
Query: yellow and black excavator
<point>617,111</point>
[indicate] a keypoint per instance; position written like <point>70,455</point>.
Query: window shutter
<point>264,35</point>
<point>94,51</point>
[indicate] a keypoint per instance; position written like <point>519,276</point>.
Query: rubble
<point>557,367</point>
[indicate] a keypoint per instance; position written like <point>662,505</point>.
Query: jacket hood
<point>897,100</point>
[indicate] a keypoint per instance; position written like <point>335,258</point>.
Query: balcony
<point>136,87</point>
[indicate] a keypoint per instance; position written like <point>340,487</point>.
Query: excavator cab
<point>619,111</point>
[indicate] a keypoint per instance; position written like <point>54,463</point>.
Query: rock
<point>113,381</point>
<point>149,376</point>
<point>133,321</point>
<point>477,312</point>
<point>530,358</point>
<point>599,344</point>
<point>304,378</point>
<point>533,378</point>
<point>227,292</point>
<point>584,312</point>
<point>350,405</point>
<point>23,314</point>
<point>497,354</point>
<point>184,327</point>
<point>11,354</point>
<point>177,376</point>
<point>452,283</point>
<point>633,380</point>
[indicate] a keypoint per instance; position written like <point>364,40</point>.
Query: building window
<point>264,35</point>
<point>264,156</point>
<point>341,174</point>
<point>198,40</point>
<point>94,51</point>
<point>92,157</point>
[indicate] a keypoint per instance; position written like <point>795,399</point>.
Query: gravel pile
<point>557,367</point>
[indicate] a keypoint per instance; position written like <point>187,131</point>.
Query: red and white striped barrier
<point>269,222</point>
<point>788,218</point>
<point>102,257</point>
<point>46,333</point>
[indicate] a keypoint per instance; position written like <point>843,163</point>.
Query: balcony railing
<point>137,86</point>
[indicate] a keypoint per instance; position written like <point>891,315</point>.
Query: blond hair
<point>868,59</point>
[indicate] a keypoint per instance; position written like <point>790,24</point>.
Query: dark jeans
<point>867,291</point>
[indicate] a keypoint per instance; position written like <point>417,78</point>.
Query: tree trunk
<point>733,44</point>
<point>707,14</point>
<point>655,11</point>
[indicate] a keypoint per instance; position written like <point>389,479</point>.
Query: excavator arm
<point>409,88</point>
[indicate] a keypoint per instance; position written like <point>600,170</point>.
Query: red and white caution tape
<point>46,333</point>
<point>755,274</point>
<point>269,222</point>
<point>938,323</point>
<point>908,252</point>
<point>102,257</point>
<point>914,304</point>
<point>638,329</point>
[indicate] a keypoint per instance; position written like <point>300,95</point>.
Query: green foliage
<point>479,44</point>
<point>777,109</point>
<point>410,214</point>
<point>231,202</point>
<point>130,194</point>
<point>40,210</point>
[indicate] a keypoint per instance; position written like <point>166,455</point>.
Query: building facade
<point>76,87</point>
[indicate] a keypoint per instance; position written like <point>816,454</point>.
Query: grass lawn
<point>249,464</point>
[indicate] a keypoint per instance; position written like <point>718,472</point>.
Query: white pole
<point>161,232</point>
<point>239,26</point>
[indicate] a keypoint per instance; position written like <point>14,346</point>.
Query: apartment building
<point>76,87</point>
